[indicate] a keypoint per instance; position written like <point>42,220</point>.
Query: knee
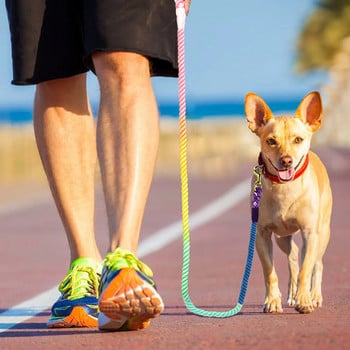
<point>121,67</point>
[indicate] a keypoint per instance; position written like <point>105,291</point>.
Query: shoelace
<point>122,258</point>
<point>81,281</point>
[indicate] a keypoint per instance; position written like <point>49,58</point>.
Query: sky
<point>232,47</point>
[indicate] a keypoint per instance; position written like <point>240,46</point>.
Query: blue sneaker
<point>128,295</point>
<point>77,305</point>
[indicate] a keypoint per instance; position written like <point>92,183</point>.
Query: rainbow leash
<point>181,19</point>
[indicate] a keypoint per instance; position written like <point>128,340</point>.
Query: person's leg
<point>65,135</point>
<point>127,139</point>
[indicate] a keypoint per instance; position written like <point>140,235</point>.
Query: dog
<point>296,197</point>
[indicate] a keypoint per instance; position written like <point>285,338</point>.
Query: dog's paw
<point>291,301</point>
<point>273,305</point>
<point>292,292</point>
<point>316,299</point>
<point>304,304</point>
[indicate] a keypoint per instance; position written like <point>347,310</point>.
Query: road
<point>34,257</point>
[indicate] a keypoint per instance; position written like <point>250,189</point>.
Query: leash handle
<point>180,14</point>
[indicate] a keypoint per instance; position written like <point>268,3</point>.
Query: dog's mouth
<point>286,174</point>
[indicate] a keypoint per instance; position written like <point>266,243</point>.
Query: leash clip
<point>257,190</point>
<point>258,172</point>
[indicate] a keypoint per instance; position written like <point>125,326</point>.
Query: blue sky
<point>231,47</point>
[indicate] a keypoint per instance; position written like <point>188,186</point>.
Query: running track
<point>33,256</point>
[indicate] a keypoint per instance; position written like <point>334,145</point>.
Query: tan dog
<point>296,197</point>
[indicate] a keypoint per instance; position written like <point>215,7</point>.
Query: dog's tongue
<point>286,174</point>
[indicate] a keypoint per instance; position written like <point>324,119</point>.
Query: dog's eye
<point>271,141</point>
<point>298,140</point>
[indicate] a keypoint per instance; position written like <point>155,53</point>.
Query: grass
<point>215,148</point>
<point>19,159</point>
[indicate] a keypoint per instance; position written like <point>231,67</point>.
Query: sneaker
<point>128,295</point>
<point>78,304</point>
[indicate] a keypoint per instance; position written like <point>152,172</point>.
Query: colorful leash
<point>181,19</point>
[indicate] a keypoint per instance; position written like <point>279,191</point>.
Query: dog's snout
<point>286,161</point>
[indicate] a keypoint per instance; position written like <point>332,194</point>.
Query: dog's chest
<point>280,210</point>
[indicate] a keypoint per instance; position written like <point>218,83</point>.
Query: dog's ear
<point>257,111</point>
<point>310,110</point>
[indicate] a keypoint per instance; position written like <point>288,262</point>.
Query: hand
<point>187,6</point>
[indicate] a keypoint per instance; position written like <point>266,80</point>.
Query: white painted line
<point>158,240</point>
<point>211,211</point>
<point>28,309</point>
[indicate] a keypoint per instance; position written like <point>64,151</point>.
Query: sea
<point>195,110</point>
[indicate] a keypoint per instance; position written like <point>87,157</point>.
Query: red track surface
<point>34,256</point>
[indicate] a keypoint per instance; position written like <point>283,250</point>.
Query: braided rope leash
<point>181,19</point>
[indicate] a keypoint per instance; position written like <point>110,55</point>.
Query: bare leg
<point>65,135</point>
<point>127,142</point>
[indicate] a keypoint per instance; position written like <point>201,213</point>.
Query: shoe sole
<point>77,318</point>
<point>128,303</point>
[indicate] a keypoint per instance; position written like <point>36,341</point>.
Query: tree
<point>322,35</point>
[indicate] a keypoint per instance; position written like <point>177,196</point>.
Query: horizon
<point>199,109</point>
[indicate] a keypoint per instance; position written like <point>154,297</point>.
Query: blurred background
<point>279,49</point>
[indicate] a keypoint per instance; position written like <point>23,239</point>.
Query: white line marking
<point>211,211</point>
<point>28,309</point>
<point>42,302</point>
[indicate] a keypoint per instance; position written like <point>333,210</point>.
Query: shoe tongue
<point>286,174</point>
<point>84,262</point>
<point>123,258</point>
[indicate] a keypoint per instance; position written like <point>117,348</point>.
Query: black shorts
<point>55,38</point>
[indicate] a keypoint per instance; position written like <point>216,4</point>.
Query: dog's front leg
<point>288,246</point>
<point>303,300</point>
<point>272,295</point>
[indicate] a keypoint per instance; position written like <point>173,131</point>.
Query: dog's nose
<point>286,161</point>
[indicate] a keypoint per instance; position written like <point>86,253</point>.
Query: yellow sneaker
<point>77,305</point>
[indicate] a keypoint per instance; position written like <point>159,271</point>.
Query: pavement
<point>34,258</point>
